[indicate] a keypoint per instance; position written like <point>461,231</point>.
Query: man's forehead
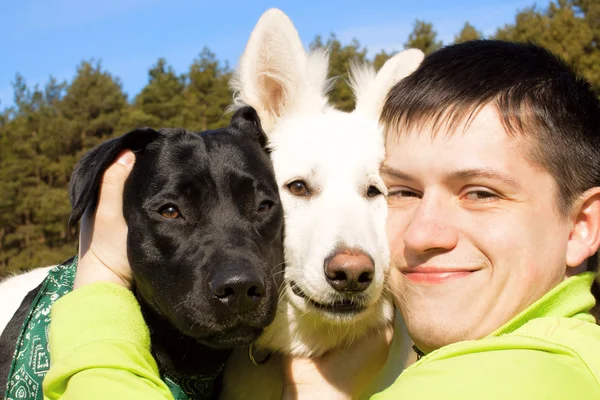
<point>483,150</point>
<point>448,122</point>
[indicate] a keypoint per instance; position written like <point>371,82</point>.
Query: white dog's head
<point>327,167</point>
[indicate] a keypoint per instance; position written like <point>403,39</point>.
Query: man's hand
<point>340,374</point>
<point>103,233</point>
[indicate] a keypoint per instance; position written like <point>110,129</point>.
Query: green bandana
<point>31,360</point>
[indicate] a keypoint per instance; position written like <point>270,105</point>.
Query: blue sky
<point>51,37</point>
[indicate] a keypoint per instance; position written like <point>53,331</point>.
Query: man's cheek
<point>395,231</point>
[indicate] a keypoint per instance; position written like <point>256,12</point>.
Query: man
<point>493,170</point>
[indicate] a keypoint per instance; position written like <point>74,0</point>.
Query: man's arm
<point>100,348</point>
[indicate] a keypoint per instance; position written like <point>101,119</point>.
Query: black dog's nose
<point>349,271</point>
<point>239,292</point>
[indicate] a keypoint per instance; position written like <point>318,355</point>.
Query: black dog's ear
<point>246,119</point>
<point>87,175</point>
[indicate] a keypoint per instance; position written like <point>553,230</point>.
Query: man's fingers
<point>103,233</point>
<point>113,181</point>
<point>110,202</point>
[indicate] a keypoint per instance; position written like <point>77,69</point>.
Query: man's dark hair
<point>537,96</point>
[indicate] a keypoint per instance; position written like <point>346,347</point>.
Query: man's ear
<point>584,238</point>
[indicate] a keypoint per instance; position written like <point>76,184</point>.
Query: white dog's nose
<point>349,271</point>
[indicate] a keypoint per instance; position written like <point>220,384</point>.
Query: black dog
<point>204,242</point>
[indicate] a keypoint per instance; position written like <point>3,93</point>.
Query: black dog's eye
<point>265,206</point>
<point>373,191</point>
<point>169,212</point>
<point>298,188</point>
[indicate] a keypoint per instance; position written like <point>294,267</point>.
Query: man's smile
<point>434,275</point>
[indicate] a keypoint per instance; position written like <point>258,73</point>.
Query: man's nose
<point>431,228</point>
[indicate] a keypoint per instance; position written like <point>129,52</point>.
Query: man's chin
<point>441,321</point>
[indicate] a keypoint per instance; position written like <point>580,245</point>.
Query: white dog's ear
<point>370,88</point>
<point>275,74</point>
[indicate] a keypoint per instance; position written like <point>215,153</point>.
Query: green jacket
<point>100,347</point>
<point>549,351</point>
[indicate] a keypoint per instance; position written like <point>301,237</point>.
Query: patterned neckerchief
<point>31,360</point>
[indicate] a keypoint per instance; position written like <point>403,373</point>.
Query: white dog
<point>327,167</point>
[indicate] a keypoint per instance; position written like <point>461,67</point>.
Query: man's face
<point>474,230</point>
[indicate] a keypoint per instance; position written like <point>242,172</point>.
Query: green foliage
<point>468,32</point>
<point>207,94</point>
<point>161,102</point>
<point>568,28</point>
<point>40,142</point>
<point>340,59</point>
<point>423,37</point>
<point>47,130</point>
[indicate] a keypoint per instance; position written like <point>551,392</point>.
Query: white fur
<point>338,155</point>
<point>371,88</point>
<point>14,289</point>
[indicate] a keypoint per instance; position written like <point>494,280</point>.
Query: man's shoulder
<point>542,360</point>
<point>559,328</point>
<point>574,337</point>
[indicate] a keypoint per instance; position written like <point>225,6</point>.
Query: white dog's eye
<point>169,211</point>
<point>298,188</point>
<point>373,191</point>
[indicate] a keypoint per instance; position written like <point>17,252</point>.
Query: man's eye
<point>403,193</point>
<point>481,195</point>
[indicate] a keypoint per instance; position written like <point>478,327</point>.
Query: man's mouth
<point>347,306</point>
<point>435,275</point>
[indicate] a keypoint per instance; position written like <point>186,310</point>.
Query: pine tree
<point>160,103</point>
<point>33,203</point>
<point>467,33</point>
<point>40,141</point>
<point>566,29</point>
<point>423,37</point>
<point>207,94</point>
<point>93,104</point>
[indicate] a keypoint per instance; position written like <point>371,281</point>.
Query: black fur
<point>207,280</point>
<point>10,335</point>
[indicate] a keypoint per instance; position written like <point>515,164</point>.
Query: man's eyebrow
<point>484,174</point>
<point>385,170</point>
<point>463,174</point>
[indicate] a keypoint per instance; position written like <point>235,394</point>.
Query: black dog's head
<point>205,226</point>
